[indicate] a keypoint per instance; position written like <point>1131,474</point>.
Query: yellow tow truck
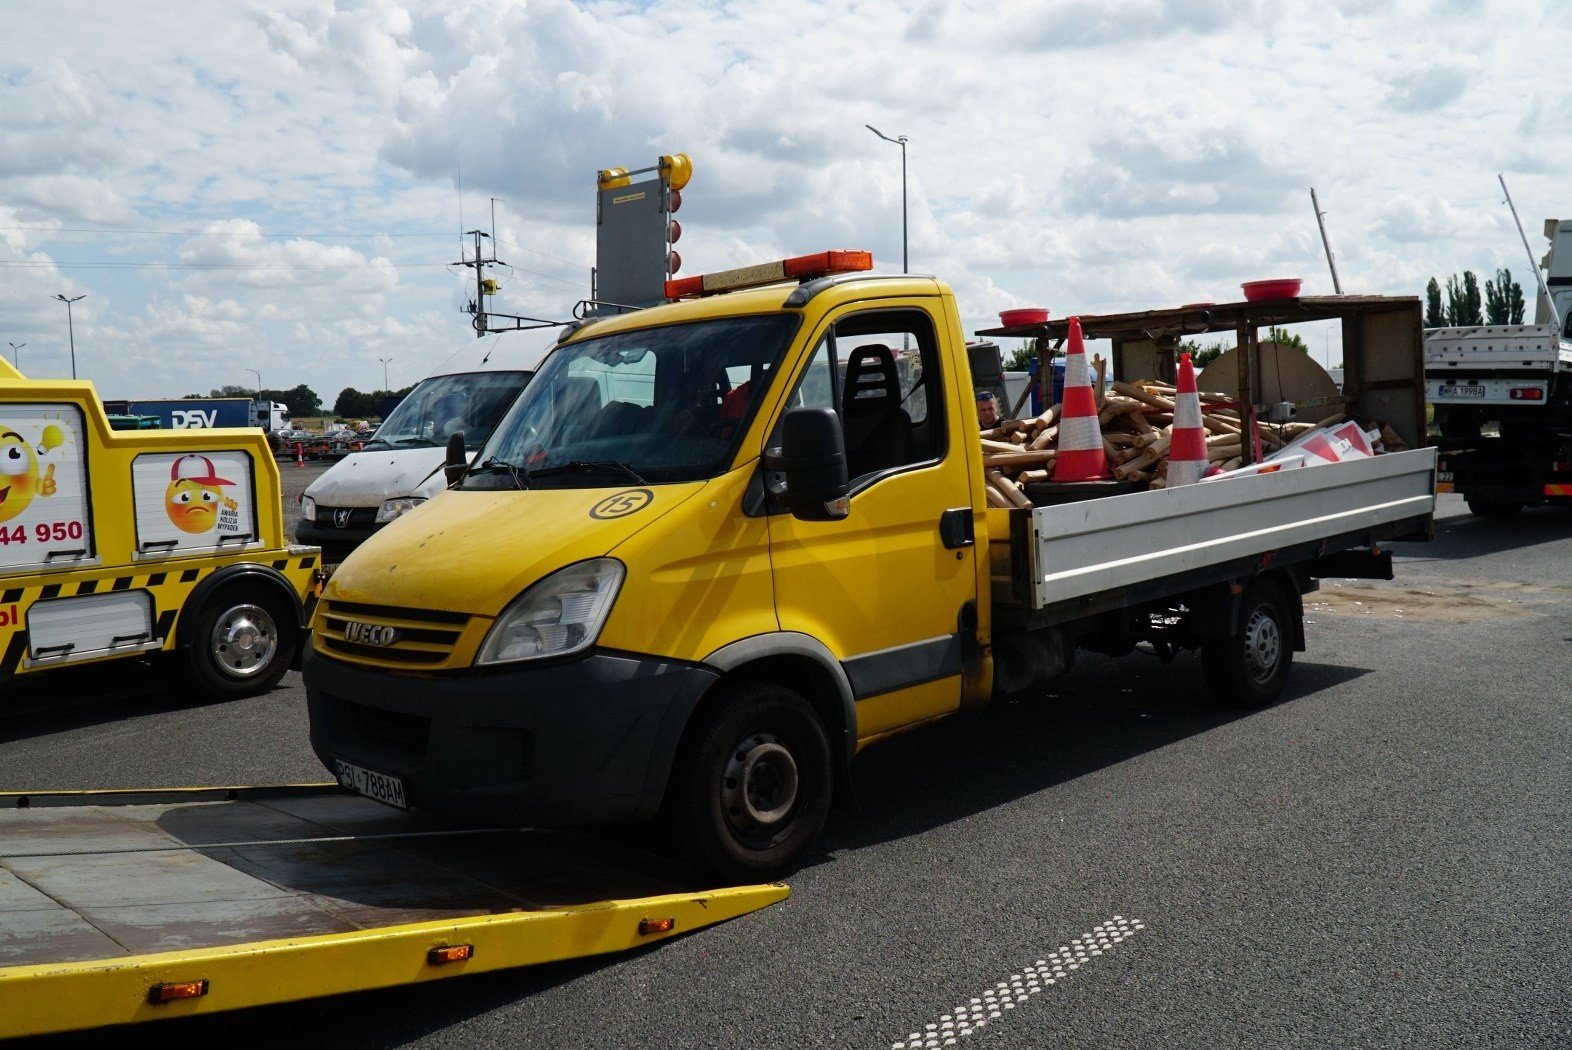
<point>117,545</point>
<point>124,906</point>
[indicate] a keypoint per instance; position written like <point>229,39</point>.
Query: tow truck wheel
<point>241,643</point>
<point>751,791</point>
<point>1250,667</point>
<point>1493,509</point>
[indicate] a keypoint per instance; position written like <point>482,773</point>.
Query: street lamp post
<point>384,361</point>
<point>16,354</point>
<point>254,372</point>
<point>899,140</point>
<point>71,327</point>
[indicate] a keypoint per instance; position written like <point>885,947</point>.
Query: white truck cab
<point>402,466</point>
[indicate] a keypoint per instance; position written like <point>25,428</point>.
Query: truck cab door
<point>891,588</point>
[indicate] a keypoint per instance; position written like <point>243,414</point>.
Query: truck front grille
<point>386,634</point>
<point>393,729</point>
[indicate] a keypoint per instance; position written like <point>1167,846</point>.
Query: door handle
<point>955,528</point>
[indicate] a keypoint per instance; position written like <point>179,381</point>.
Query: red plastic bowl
<point>1276,288</point>
<point>1029,315</point>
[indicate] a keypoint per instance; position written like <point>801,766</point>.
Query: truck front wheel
<point>240,644</point>
<point>1250,667</point>
<point>751,792</point>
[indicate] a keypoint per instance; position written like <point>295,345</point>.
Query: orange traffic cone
<point>300,454</point>
<point>1081,456</point>
<point>1187,451</point>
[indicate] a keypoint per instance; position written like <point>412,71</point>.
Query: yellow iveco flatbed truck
<point>144,905</point>
<point>121,545</point>
<point>719,545</point>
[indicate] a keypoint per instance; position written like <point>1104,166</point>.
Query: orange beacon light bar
<point>801,267</point>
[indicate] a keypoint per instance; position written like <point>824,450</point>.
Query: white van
<point>401,467</point>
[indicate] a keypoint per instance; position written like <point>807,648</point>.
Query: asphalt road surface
<point>1383,858</point>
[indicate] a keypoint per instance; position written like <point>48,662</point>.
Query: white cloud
<point>279,183</point>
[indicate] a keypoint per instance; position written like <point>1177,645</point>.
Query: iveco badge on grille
<point>369,633</point>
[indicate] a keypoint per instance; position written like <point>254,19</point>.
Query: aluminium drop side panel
<point>1099,545</point>
<point>1496,348</point>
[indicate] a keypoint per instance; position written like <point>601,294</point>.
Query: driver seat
<point>878,431</point>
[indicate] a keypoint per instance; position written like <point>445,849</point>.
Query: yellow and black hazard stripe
<point>170,588</point>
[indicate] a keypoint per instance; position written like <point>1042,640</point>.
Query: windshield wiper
<point>519,473</point>
<point>584,466</point>
<point>421,441</point>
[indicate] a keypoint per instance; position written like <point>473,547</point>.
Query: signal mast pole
<point>478,307</point>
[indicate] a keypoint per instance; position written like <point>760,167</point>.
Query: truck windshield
<point>660,404</point>
<point>471,402</point>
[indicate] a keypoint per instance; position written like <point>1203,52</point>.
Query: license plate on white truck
<point>1459,390</point>
<point>379,786</point>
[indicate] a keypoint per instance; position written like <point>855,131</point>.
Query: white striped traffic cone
<point>1081,456</point>
<point>1187,450</point>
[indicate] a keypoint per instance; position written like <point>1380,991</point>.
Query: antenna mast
<point>1533,264</point>
<point>1320,220</point>
<point>477,306</point>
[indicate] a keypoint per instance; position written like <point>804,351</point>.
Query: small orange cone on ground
<point>300,454</point>
<point>1081,456</point>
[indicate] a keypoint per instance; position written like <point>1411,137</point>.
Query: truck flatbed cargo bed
<point>246,896</point>
<point>1089,555</point>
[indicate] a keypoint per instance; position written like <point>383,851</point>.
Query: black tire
<point>1493,509</point>
<point>241,643</point>
<point>1249,668</point>
<point>751,790</point>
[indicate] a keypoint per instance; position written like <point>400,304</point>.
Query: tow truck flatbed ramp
<point>137,905</point>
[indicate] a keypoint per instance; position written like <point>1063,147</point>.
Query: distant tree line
<point>1502,302</point>
<point>356,404</point>
<point>302,400</point>
<point>1201,355</point>
<point>305,402</point>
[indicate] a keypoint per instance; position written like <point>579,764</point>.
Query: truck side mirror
<point>457,461</point>
<point>811,464</point>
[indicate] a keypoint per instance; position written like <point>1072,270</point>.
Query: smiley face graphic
<point>20,480</point>
<point>195,494</point>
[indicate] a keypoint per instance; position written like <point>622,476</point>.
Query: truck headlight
<point>308,508</point>
<point>559,615</point>
<point>394,508</point>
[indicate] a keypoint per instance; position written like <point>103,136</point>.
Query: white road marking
<point>1014,990</point>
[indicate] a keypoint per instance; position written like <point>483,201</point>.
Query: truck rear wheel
<point>1249,668</point>
<point>1494,508</point>
<point>751,791</point>
<point>240,644</point>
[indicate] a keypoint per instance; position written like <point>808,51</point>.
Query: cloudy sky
<point>281,186</point>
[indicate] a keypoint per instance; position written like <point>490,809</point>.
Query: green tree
<point>352,402</point>
<point>1503,299</point>
<point>302,400</point>
<point>1471,299</point>
<point>1202,355</point>
<point>1021,360</point>
<point>1463,301</point>
<point>1435,316</point>
<point>1284,337</point>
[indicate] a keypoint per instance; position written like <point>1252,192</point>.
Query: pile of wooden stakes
<point>1137,424</point>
